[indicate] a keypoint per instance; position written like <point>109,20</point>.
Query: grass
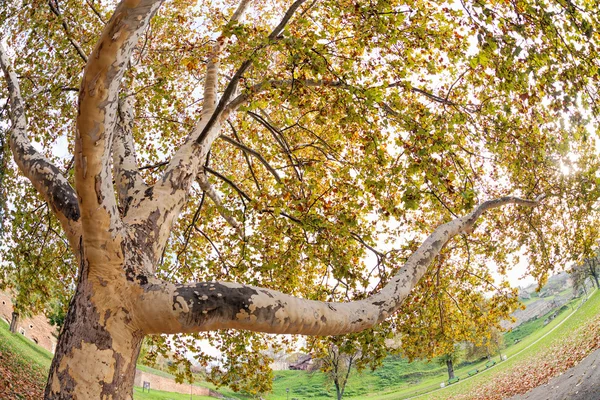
<point>32,354</point>
<point>588,311</point>
<point>23,366</point>
<point>530,327</point>
<point>157,395</point>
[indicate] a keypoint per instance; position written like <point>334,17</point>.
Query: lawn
<point>533,366</point>
<point>23,366</point>
<point>157,395</point>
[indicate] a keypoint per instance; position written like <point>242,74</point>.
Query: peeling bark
<point>45,176</point>
<point>205,306</point>
<point>99,344</point>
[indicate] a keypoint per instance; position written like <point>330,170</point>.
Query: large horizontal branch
<point>45,176</point>
<point>172,308</point>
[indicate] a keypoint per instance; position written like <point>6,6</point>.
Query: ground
<point>581,382</point>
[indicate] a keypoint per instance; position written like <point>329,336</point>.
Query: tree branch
<point>172,308</point>
<point>254,153</point>
<point>45,176</point>
<point>65,26</point>
<point>223,211</point>
<point>232,86</point>
<point>96,121</point>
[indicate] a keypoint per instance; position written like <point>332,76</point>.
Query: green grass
<point>585,314</point>
<point>157,395</point>
<point>530,327</point>
<point>397,378</point>
<point>32,354</point>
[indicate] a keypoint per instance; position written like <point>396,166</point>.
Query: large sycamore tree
<point>222,169</point>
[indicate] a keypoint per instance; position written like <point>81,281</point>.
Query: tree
<point>590,266</point>
<point>340,355</point>
<point>450,359</point>
<point>329,138</point>
<point>489,346</point>
<point>338,364</point>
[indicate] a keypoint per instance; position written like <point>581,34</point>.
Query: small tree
<point>488,346</point>
<point>449,360</point>
<point>343,355</point>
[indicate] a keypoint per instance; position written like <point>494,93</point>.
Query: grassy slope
<point>397,378</point>
<point>584,322</point>
<point>23,366</point>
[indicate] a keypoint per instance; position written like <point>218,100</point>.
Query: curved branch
<point>216,199</point>
<point>254,153</point>
<point>97,118</point>
<point>172,308</point>
<point>45,176</point>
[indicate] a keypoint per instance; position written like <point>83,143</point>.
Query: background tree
<point>590,266</point>
<point>488,346</point>
<point>277,151</point>
<point>446,313</point>
<point>341,356</point>
<point>450,360</point>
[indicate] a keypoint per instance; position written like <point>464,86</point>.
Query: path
<point>582,382</point>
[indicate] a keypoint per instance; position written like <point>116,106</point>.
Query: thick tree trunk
<point>450,369</point>
<point>14,321</point>
<point>98,346</point>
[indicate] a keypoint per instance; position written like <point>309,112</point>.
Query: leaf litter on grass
<point>563,353</point>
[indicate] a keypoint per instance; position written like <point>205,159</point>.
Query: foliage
<point>490,346</point>
<point>551,356</point>
<point>381,119</point>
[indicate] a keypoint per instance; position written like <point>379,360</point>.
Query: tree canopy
<point>346,131</point>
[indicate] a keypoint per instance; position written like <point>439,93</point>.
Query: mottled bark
<point>169,308</point>
<point>130,186</point>
<point>99,344</point>
<point>45,177</point>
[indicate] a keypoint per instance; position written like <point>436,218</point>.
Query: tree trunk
<point>450,369</point>
<point>14,321</point>
<point>98,346</point>
<point>595,276</point>
<point>338,390</point>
